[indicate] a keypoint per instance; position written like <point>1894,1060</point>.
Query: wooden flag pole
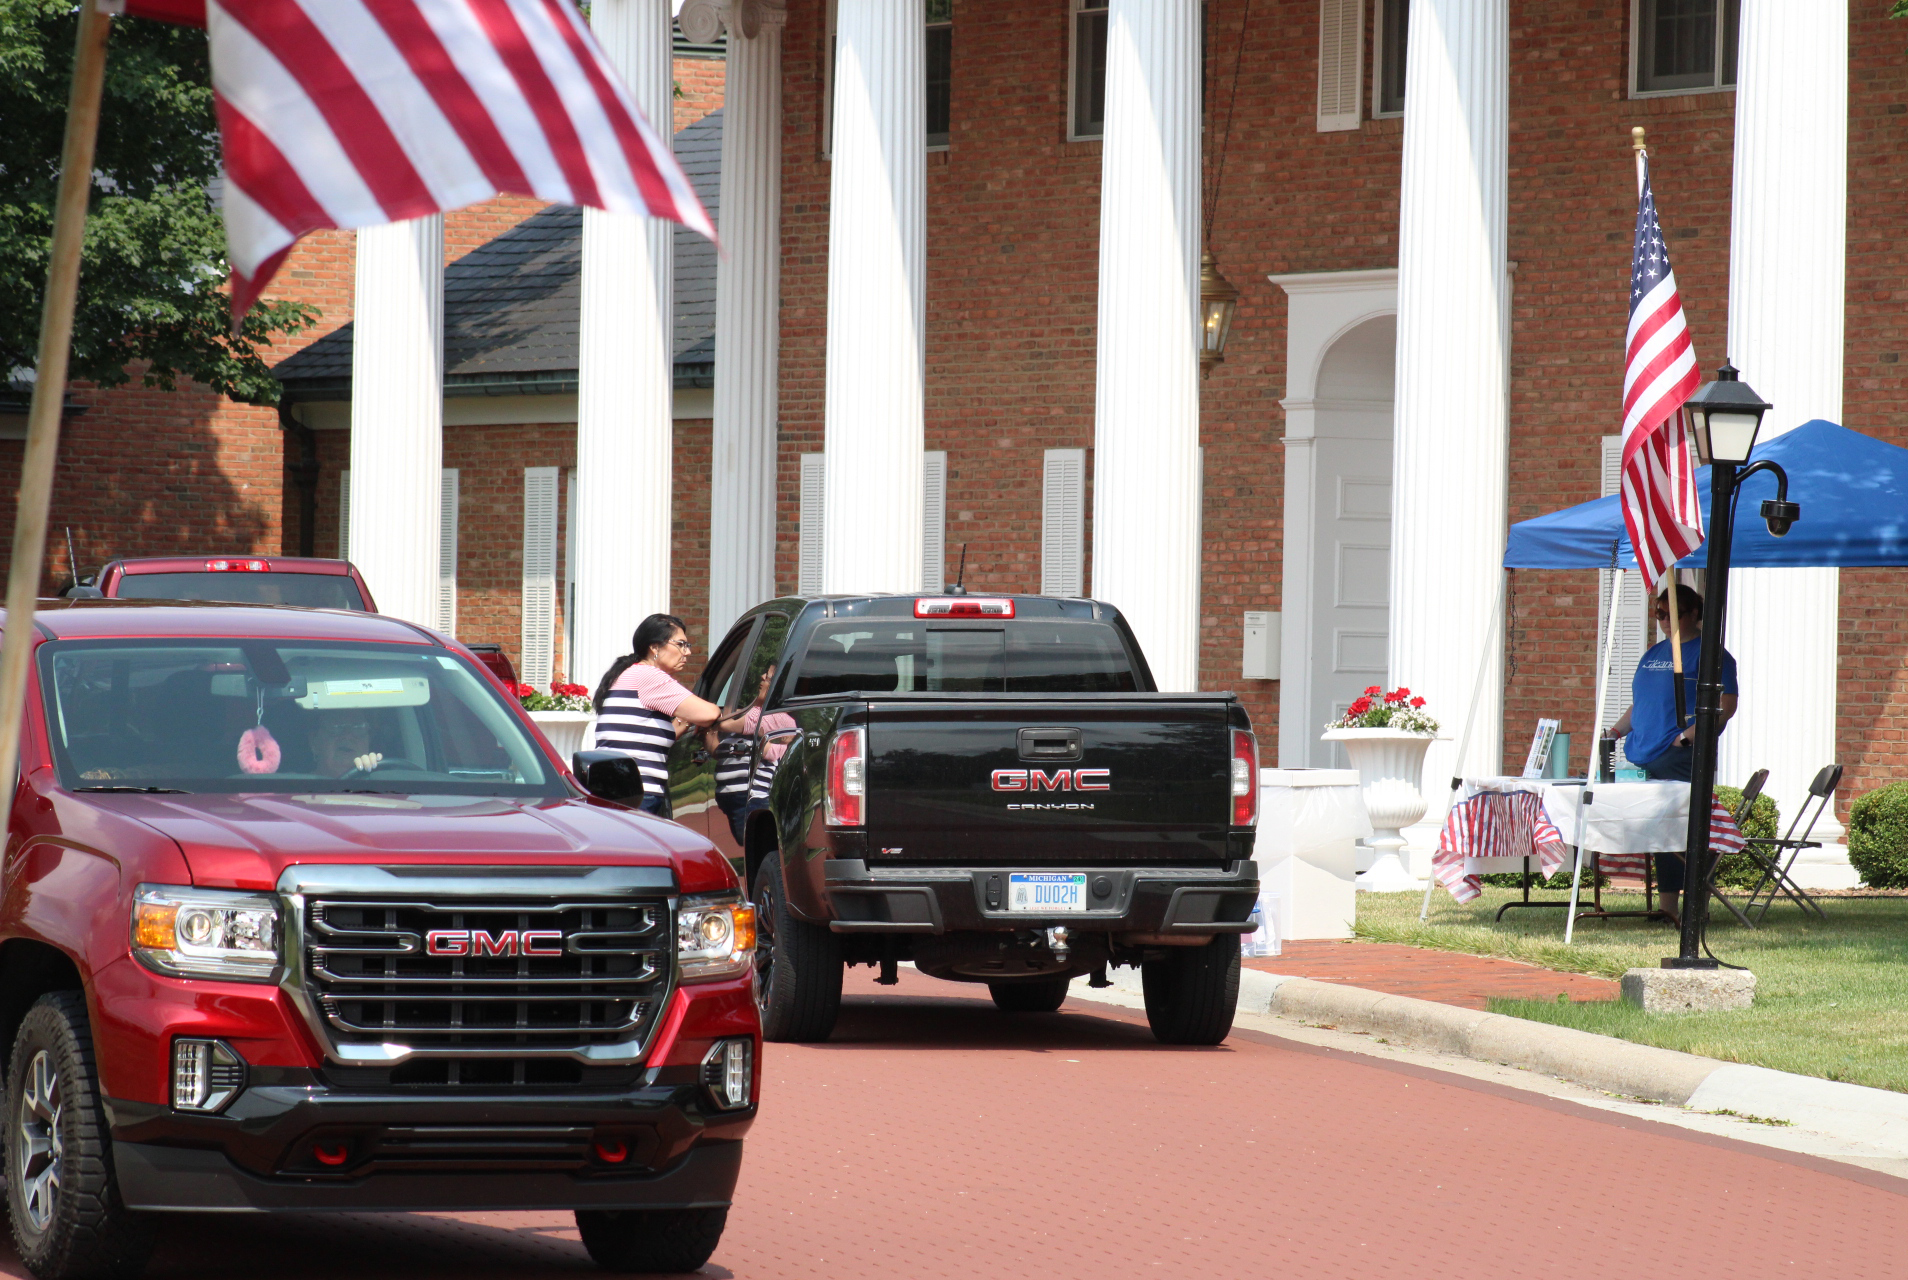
<point>49,386</point>
<point>1642,150</point>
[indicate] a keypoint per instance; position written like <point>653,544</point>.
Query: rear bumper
<point>406,1153</point>
<point>935,900</point>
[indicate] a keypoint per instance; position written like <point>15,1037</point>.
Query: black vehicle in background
<point>988,787</point>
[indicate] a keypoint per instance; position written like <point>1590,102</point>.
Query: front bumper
<point>1141,900</point>
<point>299,1144</point>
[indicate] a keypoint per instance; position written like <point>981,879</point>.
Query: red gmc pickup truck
<point>301,913</point>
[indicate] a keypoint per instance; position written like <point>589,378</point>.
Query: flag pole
<point>1642,150</point>
<point>49,386</point>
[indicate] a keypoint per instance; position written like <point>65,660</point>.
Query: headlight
<point>206,933</point>
<point>715,938</point>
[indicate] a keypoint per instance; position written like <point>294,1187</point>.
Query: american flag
<point>1660,506</point>
<point>352,113</point>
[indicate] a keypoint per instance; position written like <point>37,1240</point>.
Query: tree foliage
<point>154,259</point>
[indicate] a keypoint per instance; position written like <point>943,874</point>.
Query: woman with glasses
<point>1657,743</point>
<point>641,707</point>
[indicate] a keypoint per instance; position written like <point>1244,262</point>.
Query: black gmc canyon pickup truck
<point>988,787</point>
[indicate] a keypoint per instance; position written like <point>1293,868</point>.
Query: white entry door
<point>1351,613</point>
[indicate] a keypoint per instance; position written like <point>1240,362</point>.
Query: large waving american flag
<point>1660,504</point>
<point>352,113</point>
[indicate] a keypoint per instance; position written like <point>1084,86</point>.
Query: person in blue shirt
<point>1655,741</point>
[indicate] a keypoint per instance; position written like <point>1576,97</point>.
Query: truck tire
<point>1192,993</point>
<point>651,1241</point>
<point>68,1220</point>
<point>797,965</point>
<point>1043,996</point>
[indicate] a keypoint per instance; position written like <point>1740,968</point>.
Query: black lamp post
<point>1726,414</point>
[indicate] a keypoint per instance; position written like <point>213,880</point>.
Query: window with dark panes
<point>1388,67</point>
<point>940,70</point>
<point>1685,45</point>
<point>1087,118</point>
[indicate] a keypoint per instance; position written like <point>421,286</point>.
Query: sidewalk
<point>1448,977</point>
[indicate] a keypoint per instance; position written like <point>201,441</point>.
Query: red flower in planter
<point>523,690</point>
<point>1373,692</point>
<point>1417,702</point>
<point>1359,707</point>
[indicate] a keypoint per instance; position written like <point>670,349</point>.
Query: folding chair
<point>1749,793</point>
<point>1778,856</point>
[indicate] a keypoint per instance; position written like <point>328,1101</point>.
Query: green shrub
<point>1739,870</point>
<point>1878,836</point>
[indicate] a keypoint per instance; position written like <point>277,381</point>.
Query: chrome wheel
<point>39,1141</point>
<point>764,941</point>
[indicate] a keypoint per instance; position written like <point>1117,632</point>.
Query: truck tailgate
<point>973,779</point>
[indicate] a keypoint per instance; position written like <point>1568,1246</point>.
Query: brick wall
<point>698,89</point>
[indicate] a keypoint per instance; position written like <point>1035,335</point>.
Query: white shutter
<point>934,521</point>
<point>1341,47</point>
<point>1633,609</point>
<point>538,661</point>
<point>344,514</point>
<point>447,555</point>
<point>1063,524</point>
<point>810,579</point>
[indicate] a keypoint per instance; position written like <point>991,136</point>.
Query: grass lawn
<point>1831,997</point>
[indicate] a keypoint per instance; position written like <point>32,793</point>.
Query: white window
<point>934,520</point>
<point>1341,56</point>
<point>344,514</point>
<point>537,664</point>
<point>1388,57</point>
<point>1063,524</point>
<point>447,555</point>
<point>808,580</point>
<point>1633,611</point>
<point>1086,71</point>
<point>1683,46</point>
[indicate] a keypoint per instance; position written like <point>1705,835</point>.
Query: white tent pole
<point>1470,719</point>
<point>1596,742</point>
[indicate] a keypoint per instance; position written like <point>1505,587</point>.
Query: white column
<point>877,249</point>
<point>1787,241</point>
<point>748,284</point>
<point>625,378</point>
<point>1451,411</point>
<point>1146,481</point>
<point>397,415</point>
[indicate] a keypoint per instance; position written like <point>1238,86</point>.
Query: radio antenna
<point>960,574</point>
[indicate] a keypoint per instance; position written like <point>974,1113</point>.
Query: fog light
<point>206,1074</point>
<point>727,1073</point>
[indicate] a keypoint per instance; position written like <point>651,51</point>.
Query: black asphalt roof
<point>510,306</point>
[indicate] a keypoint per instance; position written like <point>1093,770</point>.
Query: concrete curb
<point>1855,1113</point>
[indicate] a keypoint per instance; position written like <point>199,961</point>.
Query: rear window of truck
<point>307,590</point>
<point>915,656</point>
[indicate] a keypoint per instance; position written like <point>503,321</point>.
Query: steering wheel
<point>389,762</point>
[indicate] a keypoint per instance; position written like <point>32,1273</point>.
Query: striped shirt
<point>636,720</point>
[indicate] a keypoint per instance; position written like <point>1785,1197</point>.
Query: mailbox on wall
<point>1261,646</point>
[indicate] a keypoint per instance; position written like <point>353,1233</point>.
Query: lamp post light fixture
<point>1218,299</point>
<point>1726,415</point>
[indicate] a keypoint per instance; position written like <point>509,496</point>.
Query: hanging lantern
<point>1217,301</point>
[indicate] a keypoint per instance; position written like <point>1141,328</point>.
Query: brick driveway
<point>937,1138</point>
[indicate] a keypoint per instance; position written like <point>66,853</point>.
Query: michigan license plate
<point>1044,892</point>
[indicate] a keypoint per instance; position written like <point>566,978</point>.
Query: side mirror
<point>85,591</point>
<point>608,775</point>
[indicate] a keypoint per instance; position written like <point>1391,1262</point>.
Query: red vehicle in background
<point>300,913</point>
<point>303,581</point>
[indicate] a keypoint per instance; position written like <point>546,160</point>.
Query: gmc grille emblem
<point>481,942</point>
<point>1058,780</point>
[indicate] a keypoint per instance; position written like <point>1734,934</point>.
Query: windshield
<point>913,656</point>
<point>287,716</point>
<point>308,590</point>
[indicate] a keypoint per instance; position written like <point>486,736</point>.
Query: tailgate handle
<point>1049,744</point>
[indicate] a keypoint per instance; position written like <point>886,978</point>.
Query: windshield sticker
<point>391,691</point>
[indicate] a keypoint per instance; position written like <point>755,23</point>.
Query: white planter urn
<point>1390,764</point>
<point>566,730</point>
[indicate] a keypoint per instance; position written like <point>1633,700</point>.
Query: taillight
<point>238,566</point>
<point>963,607</point>
<point>1245,778</point>
<point>847,766</point>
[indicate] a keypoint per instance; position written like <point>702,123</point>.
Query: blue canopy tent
<point>1854,495</point>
